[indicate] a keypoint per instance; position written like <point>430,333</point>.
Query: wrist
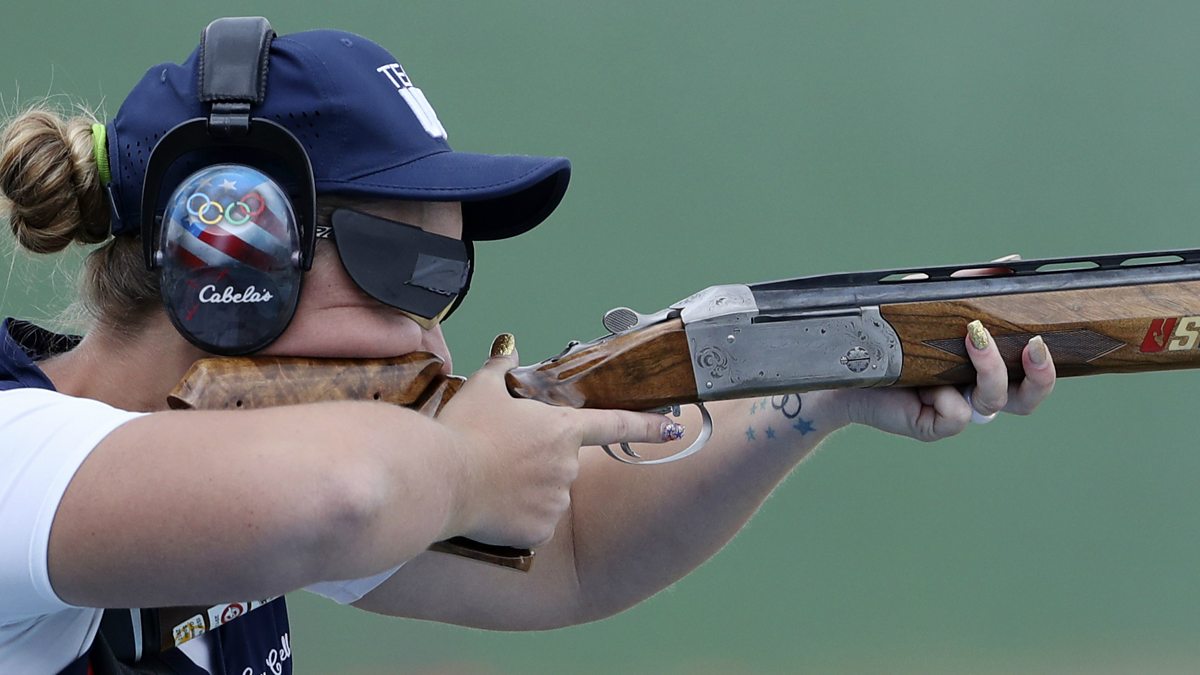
<point>828,409</point>
<point>460,480</point>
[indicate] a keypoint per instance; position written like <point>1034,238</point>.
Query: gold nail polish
<point>503,345</point>
<point>979,335</point>
<point>1038,354</point>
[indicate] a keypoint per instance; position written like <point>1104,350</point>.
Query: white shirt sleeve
<point>351,590</point>
<point>44,438</point>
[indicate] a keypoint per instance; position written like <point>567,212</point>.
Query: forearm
<point>203,506</point>
<point>631,531</point>
<point>639,529</point>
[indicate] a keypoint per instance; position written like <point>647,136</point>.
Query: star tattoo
<point>749,433</point>
<point>803,426</point>
<point>770,433</point>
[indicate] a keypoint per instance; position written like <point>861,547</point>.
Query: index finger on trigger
<point>606,427</point>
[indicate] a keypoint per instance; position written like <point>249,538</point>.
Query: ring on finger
<point>976,416</point>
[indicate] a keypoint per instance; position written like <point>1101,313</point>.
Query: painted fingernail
<point>1039,356</point>
<point>672,431</point>
<point>979,335</point>
<point>503,345</point>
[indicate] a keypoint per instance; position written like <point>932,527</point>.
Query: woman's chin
<point>350,332</point>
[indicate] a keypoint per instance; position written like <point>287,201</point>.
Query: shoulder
<point>43,427</point>
<point>44,438</point>
<point>44,412</point>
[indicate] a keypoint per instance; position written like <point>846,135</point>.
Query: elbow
<point>342,514</point>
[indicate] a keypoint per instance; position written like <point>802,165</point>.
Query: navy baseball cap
<point>368,130</point>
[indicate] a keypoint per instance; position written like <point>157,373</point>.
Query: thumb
<point>504,355</point>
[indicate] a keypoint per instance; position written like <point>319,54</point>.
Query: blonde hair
<point>51,196</point>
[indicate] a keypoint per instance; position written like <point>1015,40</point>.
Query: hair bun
<point>50,183</point>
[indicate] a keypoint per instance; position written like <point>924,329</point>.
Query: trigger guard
<point>706,429</point>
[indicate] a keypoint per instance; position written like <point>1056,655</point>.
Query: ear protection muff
<point>234,236</point>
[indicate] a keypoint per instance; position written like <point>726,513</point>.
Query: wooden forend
<point>1107,330</point>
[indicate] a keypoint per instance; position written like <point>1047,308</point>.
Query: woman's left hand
<point>933,413</point>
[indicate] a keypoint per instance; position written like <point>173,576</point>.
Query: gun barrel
<point>926,284</point>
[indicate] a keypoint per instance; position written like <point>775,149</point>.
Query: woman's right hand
<point>519,457</point>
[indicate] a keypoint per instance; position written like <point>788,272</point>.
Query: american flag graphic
<point>227,215</point>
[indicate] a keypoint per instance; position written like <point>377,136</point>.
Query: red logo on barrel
<point>1172,335</point>
<point>1156,337</point>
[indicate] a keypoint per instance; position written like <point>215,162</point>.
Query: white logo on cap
<point>414,98</point>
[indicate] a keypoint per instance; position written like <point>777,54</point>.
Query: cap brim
<point>502,195</point>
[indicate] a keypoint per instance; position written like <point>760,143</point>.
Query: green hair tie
<point>100,150</point>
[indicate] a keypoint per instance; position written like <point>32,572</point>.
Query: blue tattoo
<point>749,433</point>
<point>803,426</point>
<point>770,433</point>
<point>788,404</point>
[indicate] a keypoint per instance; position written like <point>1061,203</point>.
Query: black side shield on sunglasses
<point>402,265</point>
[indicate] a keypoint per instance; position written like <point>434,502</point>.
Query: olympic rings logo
<point>239,212</point>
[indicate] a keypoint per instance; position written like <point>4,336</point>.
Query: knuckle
<point>563,474</point>
<point>926,431</point>
<point>544,538</point>
<point>652,428</point>
<point>990,365</point>
<point>539,536</point>
<point>561,426</point>
<point>562,418</point>
<point>1001,400</point>
<point>989,406</point>
<point>957,421</point>
<point>929,435</point>
<point>621,426</point>
<point>1023,407</point>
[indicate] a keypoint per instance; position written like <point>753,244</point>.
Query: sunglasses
<point>422,274</point>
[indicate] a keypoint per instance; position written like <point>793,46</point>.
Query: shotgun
<point>903,327</point>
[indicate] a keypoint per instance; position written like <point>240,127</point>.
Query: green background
<point>737,142</point>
